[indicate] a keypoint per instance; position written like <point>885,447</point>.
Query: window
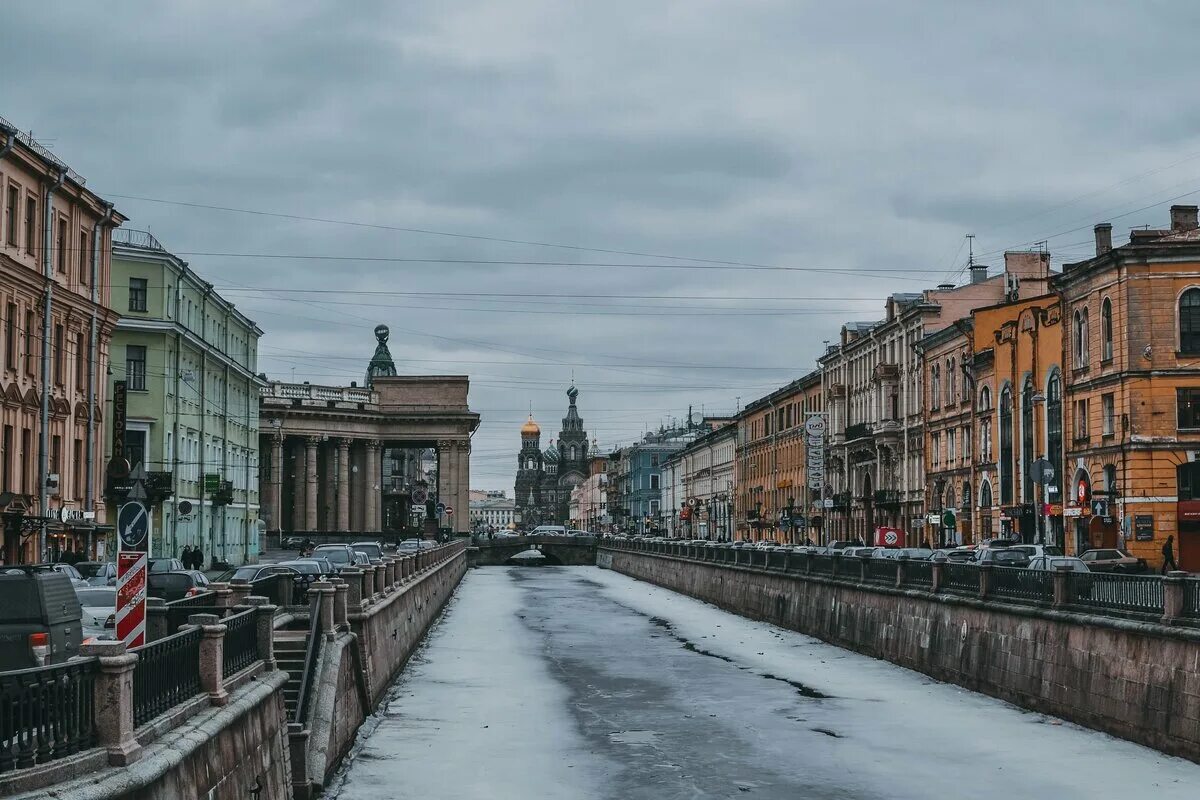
<point>1027,441</point>
<point>80,362</point>
<point>29,349</point>
<point>29,459</point>
<point>56,457</point>
<point>137,294</point>
<point>135,447</point>
<point>935,449</point>
<point>966,444</point>
<point>135,368</point>
<point>61,245</point>
<point>10,337</point>
<point>985,399</point>
<point>30,224</point>
<point>951,455</point>
<point>1005,467</point>
<point>935,387</point>
<point>1188,406</point>
<point>951,393</point>
<point>60,355</point>
<point>1189,322</point>
<point>83,257</point>
<point>1106,412</point>
<point>654,481</point>
<point>985,440</point>
<point>1054,429</point>
<point>1081,420</point>
<point>1081,339</point>
<point>1110,482</point>
<point>1106,331</point>
<point>10,214</point>
<point>6,461</point>
<point>77,470</point>
<point>985,496</point>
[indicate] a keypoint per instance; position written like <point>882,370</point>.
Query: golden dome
<point>531,428</point>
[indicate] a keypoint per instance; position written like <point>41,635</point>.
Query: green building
<point>188,359</point>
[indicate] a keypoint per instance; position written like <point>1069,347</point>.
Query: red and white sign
<point>888,537</point>
<point>132,567</point>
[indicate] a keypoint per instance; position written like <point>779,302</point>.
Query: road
<point>575,682</point>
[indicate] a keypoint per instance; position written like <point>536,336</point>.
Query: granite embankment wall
<point>360,659</point>
<point>1138,680</point>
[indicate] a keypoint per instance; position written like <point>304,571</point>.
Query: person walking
<point>186,556</point>
<point>1168,552</point>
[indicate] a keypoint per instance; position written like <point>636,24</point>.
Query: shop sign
<point>1143,527</point>
<point>1072,511</point>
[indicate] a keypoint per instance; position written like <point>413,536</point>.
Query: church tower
<point>530,471</point>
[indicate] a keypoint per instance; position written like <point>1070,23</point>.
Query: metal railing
<point>960,578</point>
<point>1019,583</point>
<point>241,642</point>
<point>877,570</point>
<point>1105,590</point>
<point>312,651</point>
<point>918,574</point>
<point>1191,600</point>
<point>178,611</point>
<point>166,674</point>
<point>46,713</point>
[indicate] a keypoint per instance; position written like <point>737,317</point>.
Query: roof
<point>811,379</point>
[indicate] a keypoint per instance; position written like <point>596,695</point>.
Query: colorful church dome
<point>530,428</point>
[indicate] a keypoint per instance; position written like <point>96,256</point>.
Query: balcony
<point>859,430</point>
<point>841,500</point>
<point>887,372</point>
<point>887,498</point>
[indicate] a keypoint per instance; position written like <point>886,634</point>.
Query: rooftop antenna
<point>739,398</point>
<point>970,250</point>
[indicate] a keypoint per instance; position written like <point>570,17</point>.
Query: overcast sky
<point>865,138</point>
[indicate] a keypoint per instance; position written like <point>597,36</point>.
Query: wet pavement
<point>574,682</point>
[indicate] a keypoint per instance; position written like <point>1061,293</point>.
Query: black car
<point>174,585</point>
<point>39,618</point>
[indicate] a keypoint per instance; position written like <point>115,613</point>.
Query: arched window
<point>574,452</point>
<point>1081,338</point>
<point>1110,481</point>
<point>1027,441</point>
<point>1189,322</point>
<point>1054,429</point>
<point>1106,330</point>
<point>966,494</point>
<point>1005,467</point>
<point>985,495</point>
<point>951,394</point>
<point>935,387</point>
<point>985,399</point>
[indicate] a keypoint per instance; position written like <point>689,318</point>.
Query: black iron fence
<point>241,642</point>
<point>166,674</point>
<point>1138,593</point>
<point>960,578</point>
<point>1191,600</point>
<point>178,611</point>
<point>46,713</point>
<point>1017,583</point>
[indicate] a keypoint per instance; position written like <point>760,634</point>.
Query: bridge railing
<point>47,713</point>
<point>1174,599</point>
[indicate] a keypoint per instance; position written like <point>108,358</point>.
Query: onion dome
<point>530,428</point>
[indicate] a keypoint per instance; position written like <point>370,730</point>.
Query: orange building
<point>770,464</point>
<point>1132,402</point>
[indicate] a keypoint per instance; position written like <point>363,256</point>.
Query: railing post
<point>298,752</point>
<point>340,618</point>
<point>239,589</point>
<point>864,568</point>
<point>112,701</point>
<point>1173,595</point>
<point>985,581</point>
<point>212,651</point>
<point>935,576</point>
<point>224,597</point>
<point>380,579</point>
<point>287,590</point>
<point>264,618</point>
<point>900,572</point>
<point>156,618</point>
<point>323,606</point>
<point>390,565</point>
<point>1061,578</point>
<point>368,571</point>
<point>354,589</point>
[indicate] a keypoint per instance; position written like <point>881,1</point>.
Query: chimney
<point>978,273</point>
<point>1103,238</point>
<point>1183,218</point>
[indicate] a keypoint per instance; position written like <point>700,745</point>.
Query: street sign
<point>133,523</point>
<point>441,508</point>
<point>1041,471</point>
<point>934,518</point>
<point>815,425</point>
<point>118,467</point>
<point>449,511</point>
<point>814,450</point>
<point>212,482</point>
<point>131,597</point>
<point>419,495</point>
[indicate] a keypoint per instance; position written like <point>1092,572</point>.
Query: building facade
<point>698,482</point>
<point>54,252</point>
<point>188,360</point>
<point>325,448</point>
<point>491,511</point>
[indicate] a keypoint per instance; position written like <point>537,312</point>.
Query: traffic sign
<point>419,495</point>
<point>131,597</point>
<point>1041,471</point>
<point>133,523</point>
<point>441,508</point>
<point>449,511</point>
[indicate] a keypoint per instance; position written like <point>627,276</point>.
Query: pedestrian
<point>186,556</point>
<point>1168,552</point>
<point>197,558</point>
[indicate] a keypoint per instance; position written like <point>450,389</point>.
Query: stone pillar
<point>354,589</point>
<point>239,589</point>
<point>380,578</point>
<point>1173,595</point>
<point>1062,587</point>
<point>406,568</point>
<point>936,570</point>
<point>340,618</point>
<point>298,485</point>
<point>212,650</point>
<point>327,486</point>
<point>310,482</point>
<point>985,581</point>
<point>223,595</point>
<point>322,593</point>
<point>276,482</point>
<point>343,484</point>
<point>358,494</point>
<point>302,789</point>
<point>156,619</point>
<point>462,499</point>
<point>265,621</point>
<point>389,565</point>
<point>113,701</point>
<point>372,481</point>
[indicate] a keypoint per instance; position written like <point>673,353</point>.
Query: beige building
<point>362,458</point>
<point>54,235</point>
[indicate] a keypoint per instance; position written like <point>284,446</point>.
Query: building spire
<point>381,363</point>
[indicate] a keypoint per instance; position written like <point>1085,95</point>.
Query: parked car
<point>550,530</point>
<point>72,574</point>
<point>98,573</point>
<point>339,555</point>
<point>856,551</point>
<point>171,586</point>
<point>1002,557</point>
<point>1052,563</point>
<point>360,559</point>
<point>842,544</point>
<point>40,618</point>
<point>959,555</point>
<point>1105,560</point>
<point>372,550</point>
<point>1037,550</point>
<point>293,543</point>
<point>919,553</point>
<point>575,532</point>
<point>250,572</point>
<point>166,565</point>
<point>98,610</point>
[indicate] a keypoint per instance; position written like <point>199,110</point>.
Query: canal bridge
<point>557,550</point>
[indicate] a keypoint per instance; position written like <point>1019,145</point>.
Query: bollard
<point>340,613</point>
<point>212,650</point>
<point>864,567</point>
<point>936,575</point>
<point>1173,595</point>
<point>239,589</point>
<point>156,619</point>
<point>900,572</point>
<point>1062,585</point>
<point>265,621</point>
<point>112,704</point>
<point>354,594</point>
<point>985,580</point>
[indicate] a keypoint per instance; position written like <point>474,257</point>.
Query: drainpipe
<point>89,491</point>
<point>44,437</point>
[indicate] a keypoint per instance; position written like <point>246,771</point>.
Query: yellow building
<point>1132,402</point>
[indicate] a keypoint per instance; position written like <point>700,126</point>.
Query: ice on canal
<point>575,682</point>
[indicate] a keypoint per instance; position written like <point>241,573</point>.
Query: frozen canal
<point>575,682</point>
